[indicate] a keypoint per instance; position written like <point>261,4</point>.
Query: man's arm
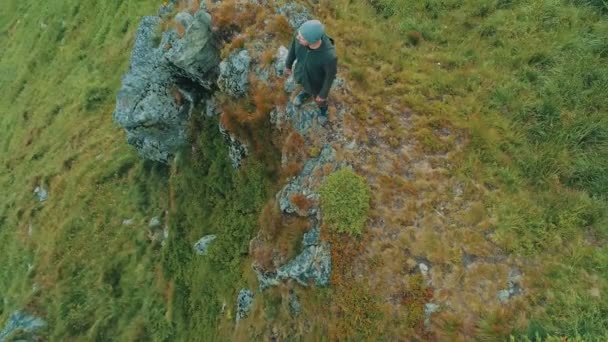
<point>291,56</point>
<point>330,68</point>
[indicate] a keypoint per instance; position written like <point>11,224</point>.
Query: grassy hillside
<point>525,81</point>
<point>72,259</point>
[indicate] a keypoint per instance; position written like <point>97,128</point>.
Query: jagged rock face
<point>196,54</point>
<point>236,150</point>
<point>312,265</point>
<point>295,13</point>
<point>303,184</point>
<point>19,321</point>
<point>234,72</point>
<point>163,84</point>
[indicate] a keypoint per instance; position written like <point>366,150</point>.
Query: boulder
<point>167,76</point>
<point>21,322</point>
<point>202,246</point>
<point>196,55</point>
<point>41,193</point>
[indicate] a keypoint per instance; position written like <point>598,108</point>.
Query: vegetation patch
<point>345,200</point>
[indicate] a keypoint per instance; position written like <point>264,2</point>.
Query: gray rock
<point>429,309</point>
<point>146,106</point>
<point>513,286</point>
<point>312,265</point>
<point>196,55</point>
<point>244,301</point>
<point>311,237</point>
<point>211,108</point>
<point>154,222</point>
<point>165,236</point>
<point>302,118</point>
<point>306,181</point>
<point>278,117</point>
<point>424,269</point>
<point>290,85</point>
<point>234,73</point>
<point>503,295</point>
<point>295,13</point>
<point>41,193</point>
<point>184,18</point>
<point>202,246</point>
<point>164,11</point>
<point>128,222</point>
<point>294,303</point>
<point>280,59</point>
<point>163,83</point>
<point>236,150</point>
<point>20,321</point>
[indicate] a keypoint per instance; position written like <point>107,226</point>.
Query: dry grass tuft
<point>301,202</point>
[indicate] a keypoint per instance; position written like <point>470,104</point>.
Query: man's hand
<point>320,101</point>
<point>287,71</point>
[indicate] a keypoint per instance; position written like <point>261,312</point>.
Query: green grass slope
<point>527,80</point>
<point>89,275</point>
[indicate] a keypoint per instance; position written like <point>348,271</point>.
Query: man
<point>316,67</point>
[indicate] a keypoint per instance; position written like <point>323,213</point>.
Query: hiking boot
<point>322,115</point>
<point>301,98</point>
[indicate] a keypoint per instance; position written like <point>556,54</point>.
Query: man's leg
<point>322,115</point>
<point>301,98</point>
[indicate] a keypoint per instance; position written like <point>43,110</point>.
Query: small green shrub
<point>345,201</point>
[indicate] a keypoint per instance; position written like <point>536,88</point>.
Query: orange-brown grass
<point>301,202</point>
<point>229,13</point>
<point>288,240</point>
<point>236,43</point>
<point>270,220</point>
<point>267,57</point>
<point>279,26</point>
<point>278,237</point>
<point>294,145</point>
<point>291,169</point>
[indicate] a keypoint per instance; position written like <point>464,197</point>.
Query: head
<point>310,33</point>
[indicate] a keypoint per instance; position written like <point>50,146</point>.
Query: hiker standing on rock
<point>316,67</point>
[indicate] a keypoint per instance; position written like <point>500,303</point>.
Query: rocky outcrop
<point>243,303</point>
<point>195,55</point>
<point>513,286</point>
<point>166,78</point>
<point>20,322</point>
<point>41,193</point>
<point>202,246</point>
<point>314,172</point>
<point>312,265</point>
<point>295,13</point>
<point>236,149</point>
<point>234,74</point>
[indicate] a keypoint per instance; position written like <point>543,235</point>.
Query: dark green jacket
<point>316,69</point>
